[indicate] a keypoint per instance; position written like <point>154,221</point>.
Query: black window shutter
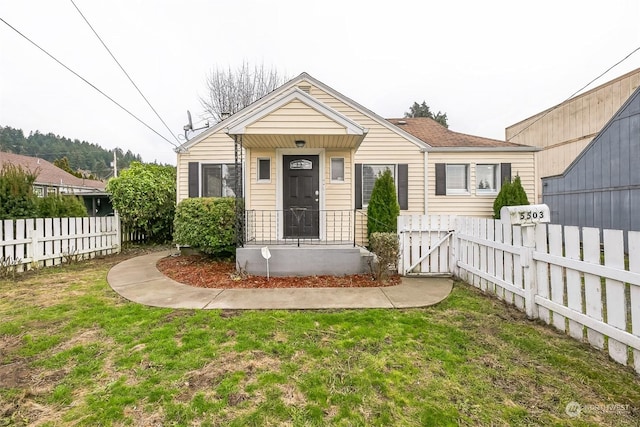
<point>441,179</point>
<point>358,179</point>
<point>505,172</point>
<point>194,177</point>
<point>403,186</point>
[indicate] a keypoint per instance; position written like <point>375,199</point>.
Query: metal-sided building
<point>601,187</point>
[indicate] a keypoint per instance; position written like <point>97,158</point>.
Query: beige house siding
<point>296,118</point>
<point>565,130</point>
<point>260,195</point>
<point>216,148</point>
<point>474,204</point>
<point>382,144</point>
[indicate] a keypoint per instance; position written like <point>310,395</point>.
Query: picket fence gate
<point>579,280</point>
<point>32,243</point>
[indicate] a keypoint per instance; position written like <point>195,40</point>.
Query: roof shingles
<point>49,174</point>
<point>436,135</point>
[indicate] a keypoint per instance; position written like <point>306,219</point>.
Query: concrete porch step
<point>309,260</point>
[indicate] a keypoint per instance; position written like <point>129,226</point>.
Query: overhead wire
<point>86,81</point>
<point>574,94</point>
<point>123,70</point>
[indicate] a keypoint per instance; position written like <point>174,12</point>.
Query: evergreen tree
<point>383,208</point>
<point>17,199</point>
<point>423,110</point>
<point>511,194</point>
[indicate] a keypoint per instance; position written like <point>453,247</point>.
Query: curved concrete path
<point>138,280</point>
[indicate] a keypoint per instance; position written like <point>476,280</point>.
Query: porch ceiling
<point>311,141</point>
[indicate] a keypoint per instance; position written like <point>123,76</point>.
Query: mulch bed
<point>196,270</point>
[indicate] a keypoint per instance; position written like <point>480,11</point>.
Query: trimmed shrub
<point>383,208</point>
<point>57,206</point>
<point>386,248</point>
<point>17,199</point>
<point>145,197</point>
<point>511,194</point>
<point>206,224</point>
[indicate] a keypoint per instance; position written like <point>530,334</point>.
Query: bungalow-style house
<point>305,158</point>
<point>53,180</point>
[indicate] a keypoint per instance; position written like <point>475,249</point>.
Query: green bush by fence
<point>206,224</point>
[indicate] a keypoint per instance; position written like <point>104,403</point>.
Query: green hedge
<point>58,206</point>
<point>206,224</point>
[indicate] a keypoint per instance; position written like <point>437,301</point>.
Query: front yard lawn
<point>72,352</point>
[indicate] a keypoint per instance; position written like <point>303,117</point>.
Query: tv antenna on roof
<point>189,126</point>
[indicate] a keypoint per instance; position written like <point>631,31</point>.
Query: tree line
<point>82,158</point>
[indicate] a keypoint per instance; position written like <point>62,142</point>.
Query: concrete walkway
<point>139,280</point>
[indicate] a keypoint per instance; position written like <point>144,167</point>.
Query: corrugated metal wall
<point>601,188</point>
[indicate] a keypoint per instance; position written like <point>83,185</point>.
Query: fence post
<point>530,282</point>
<point>117,226</point>
<point>453,248</point>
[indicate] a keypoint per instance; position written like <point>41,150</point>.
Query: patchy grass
<point>74,352</point>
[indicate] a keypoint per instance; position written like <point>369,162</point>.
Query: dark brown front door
<point>301,195</point>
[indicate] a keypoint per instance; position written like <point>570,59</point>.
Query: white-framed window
<point>38,190</point>
<point>219,180</point>
<point>487,181</point>
<point>457,179</point>
<point>337,169</point>
<point>369,174</point>
<point>264,169</point>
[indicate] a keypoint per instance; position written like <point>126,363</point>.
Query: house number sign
<point>525,215</point>
<point>300,164</point>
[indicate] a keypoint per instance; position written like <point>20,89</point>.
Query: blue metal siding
<point>601,188</point>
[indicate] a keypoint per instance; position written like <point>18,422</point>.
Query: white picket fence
<point>577,279</point>
<point>29,243</point>
<point>425,244</point>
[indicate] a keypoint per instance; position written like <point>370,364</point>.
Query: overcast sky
<point>487,64</point>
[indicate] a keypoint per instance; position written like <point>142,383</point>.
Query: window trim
<point>458,191</point>
<point>496,177</point>
<point>336,181</point>
<point>258,170</point>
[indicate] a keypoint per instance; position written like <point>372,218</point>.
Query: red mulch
<point>202,272</point>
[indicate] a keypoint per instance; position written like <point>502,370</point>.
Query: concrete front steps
<point>304,260</point>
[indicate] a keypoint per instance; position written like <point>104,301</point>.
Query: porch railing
<point>303,226</point>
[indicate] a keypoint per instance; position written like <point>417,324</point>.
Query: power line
<point>575,93</point>
<point>86,81</point>
<point>125,73</point>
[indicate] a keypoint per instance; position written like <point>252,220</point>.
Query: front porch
<point>304,242</point>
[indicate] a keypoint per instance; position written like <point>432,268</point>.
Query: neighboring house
<point>310,157</point>
<point>563,131</point>
<point>601,188</point>
<point>53,180</point>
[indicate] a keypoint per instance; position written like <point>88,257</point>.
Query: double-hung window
<point>219,180</point>
<point>487,178</point>
<point>369,175</point>
<point>457,178</point>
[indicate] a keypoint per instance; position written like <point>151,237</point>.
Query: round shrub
<point>206,224</point>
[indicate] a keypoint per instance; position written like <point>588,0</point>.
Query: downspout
<point>239,204</point>
<point>426,182</point>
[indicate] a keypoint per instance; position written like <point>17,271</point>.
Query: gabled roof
<point>239,125</point>
<point>49,174</point>
<point>303,77</point>
<point>439,138</point>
